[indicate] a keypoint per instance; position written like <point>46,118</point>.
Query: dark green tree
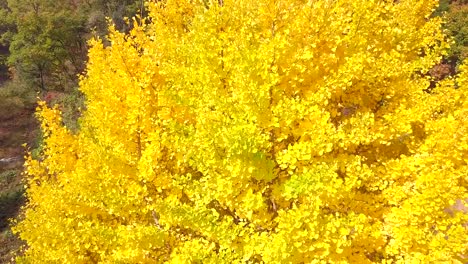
<point>47,44</point>
<point>47,38</point>
<point>457,27</point>
<point>117,10</point>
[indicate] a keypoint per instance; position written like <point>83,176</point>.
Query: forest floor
<point>17,126</point>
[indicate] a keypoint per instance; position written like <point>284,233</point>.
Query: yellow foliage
<point>242,131</point>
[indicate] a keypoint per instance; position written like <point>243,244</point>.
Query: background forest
<point>44,49</point>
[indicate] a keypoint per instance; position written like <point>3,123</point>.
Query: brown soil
<point>15,130</point>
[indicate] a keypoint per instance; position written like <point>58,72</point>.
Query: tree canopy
<point>275,131</point>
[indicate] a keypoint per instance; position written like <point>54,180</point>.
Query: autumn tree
<point>275,131</point>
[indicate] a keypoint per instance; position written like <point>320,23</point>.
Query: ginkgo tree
<point>258,131</point>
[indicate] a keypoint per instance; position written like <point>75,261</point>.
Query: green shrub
<point>70,104</point>
<point>457,27</point>
<point>14,97</point>
<point>8,176</point>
